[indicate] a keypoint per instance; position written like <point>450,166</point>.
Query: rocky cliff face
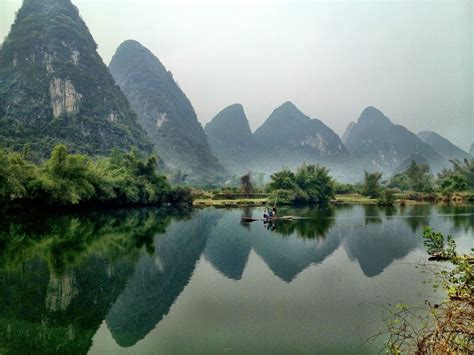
<point>443,146</point>
<point>165,112</point>
<point>377,143</point>
<point>54,87</point>
<point>65,100</point>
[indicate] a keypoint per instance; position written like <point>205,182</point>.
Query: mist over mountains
<point>289,138</point>
<point>55,88</point>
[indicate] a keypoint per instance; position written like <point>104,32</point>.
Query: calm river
<point>161,282</point>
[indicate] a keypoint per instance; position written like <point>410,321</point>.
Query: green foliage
<point>310,184</point>
<point>419,177</point>
<point>459,280</point>
<point>459,178</point>
<point>72,179</point>
<point>44,38</point>
<point>387,198</point>
<point>416,178</point>
<point>436,244</point>
<point>246,184</point>
<point>447,327</point>
<point>282,180</point>
<point>15,173</point>
<point>399,181</point>
<point>371,186</point>
<point>341,188</point>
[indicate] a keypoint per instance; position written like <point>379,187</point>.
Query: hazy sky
<point>411,59</point>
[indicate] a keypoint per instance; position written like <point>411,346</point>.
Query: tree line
<point>124,179</point>
<point>312,184</point>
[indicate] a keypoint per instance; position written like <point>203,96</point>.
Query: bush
<point>388,198</point>
<point>343,189</point>
<point>371,186</point>
<point>72,179</point>
<point>311,184</point>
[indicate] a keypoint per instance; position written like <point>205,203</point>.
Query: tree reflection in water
<point>61,276</point>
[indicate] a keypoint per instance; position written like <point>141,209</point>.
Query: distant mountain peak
<point>232,112</point>
<point>289,107</point>
<point>290,129</point>
<point>373,115</point>
<point>230,137</point>
<point>131,42</point>
<point>229,123</point>
<point>286,113</point>
<point>443,146</point>
<point>347,132</point>
<point>165,113</point>
<point>383,144</point>
<point>235,106</point>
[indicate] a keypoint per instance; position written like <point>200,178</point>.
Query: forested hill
<point>54,87</point>
<point>165,113</point>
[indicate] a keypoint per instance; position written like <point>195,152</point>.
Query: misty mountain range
<point>54,88</point>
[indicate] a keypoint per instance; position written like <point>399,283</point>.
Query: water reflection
<point>418,216</point>
<point>62,276</point>
<point>228,248</point>
<point>159,279</point>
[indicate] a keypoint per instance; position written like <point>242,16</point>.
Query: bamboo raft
<point>282,218</point>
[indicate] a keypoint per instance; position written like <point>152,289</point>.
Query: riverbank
<point>401,199</point>
<point>243,202</point>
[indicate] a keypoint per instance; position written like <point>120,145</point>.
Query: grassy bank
<point>208,200</point>
<point>243,202</point>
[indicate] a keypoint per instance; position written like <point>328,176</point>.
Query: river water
<point>153,281</point>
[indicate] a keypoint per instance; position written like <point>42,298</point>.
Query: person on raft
<point>274,209</point>
<point>267,213</point>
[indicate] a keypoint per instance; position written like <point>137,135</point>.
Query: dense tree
<point>371,186</point>
<point>72,179</point>
<point>417,178</point>
<point>459,178</point>
<point>284,179</point>
<point>310,184</point>
<point>246,184</point>
<point>420,178</point>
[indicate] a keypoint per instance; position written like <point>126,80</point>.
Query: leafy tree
<point>387,198</point>
<point>371,186</point>
<point>310,184</point>
<point>246,184</point>
<point>399,181</point>
<point>316,182</point>
<point>419,177</point>
<point>72,179</point>
<point>15,175</point>
<point>284,180</point>
<point>459,178</point>
<point>416,178</point>
<point>342,188</point>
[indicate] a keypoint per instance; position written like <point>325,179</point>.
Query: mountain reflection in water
<point>63,276</point>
